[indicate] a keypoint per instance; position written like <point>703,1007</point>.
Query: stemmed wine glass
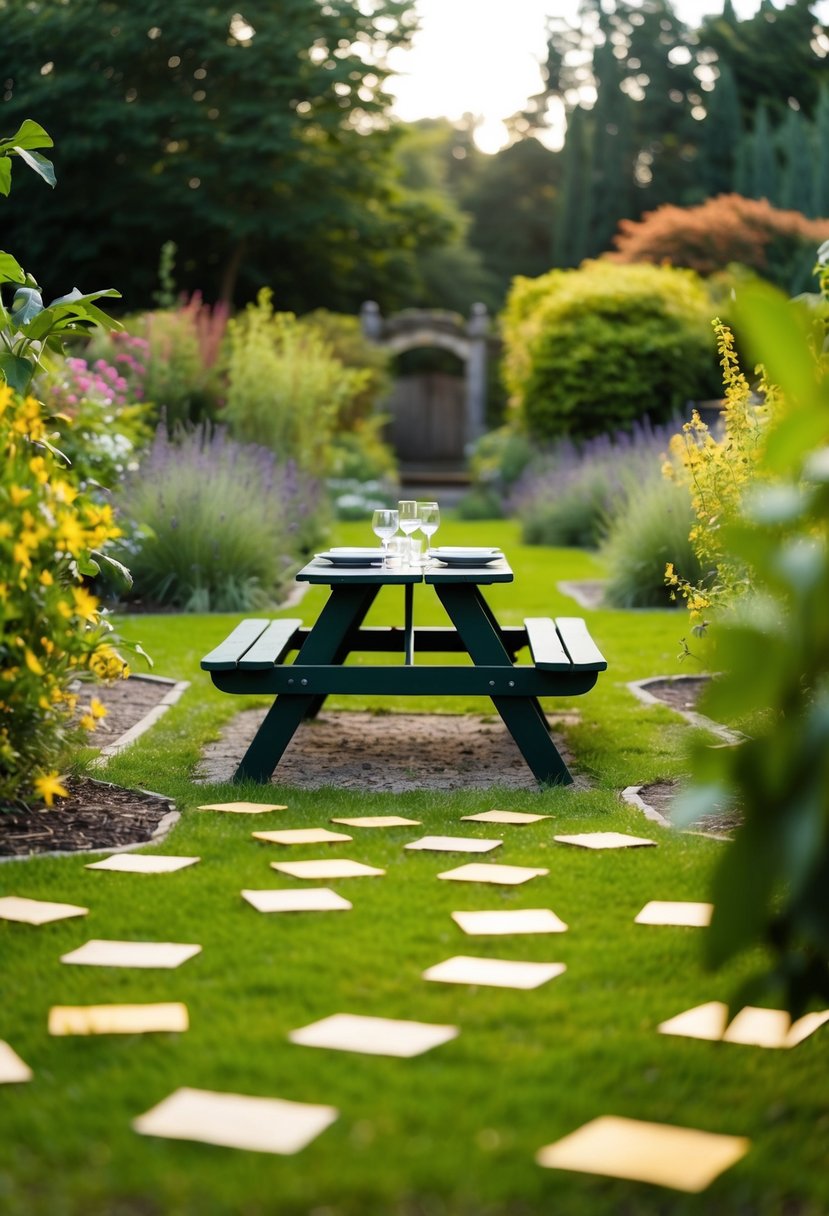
<point>384,525</point>
<point>409,518</point>
<point>429,513</point>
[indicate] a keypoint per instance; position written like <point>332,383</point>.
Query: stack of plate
<point>456,555</point>
<point>352,557</point>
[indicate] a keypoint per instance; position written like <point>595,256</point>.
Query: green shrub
<point>215,525</point>
<point>650,531</point>
<point>480,503</point>
<point>285,387</point>
<point>578,516</point>
<point>344,337</point>
<point>591,350</point>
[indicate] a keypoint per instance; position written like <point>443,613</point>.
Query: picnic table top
<point>321,571</point>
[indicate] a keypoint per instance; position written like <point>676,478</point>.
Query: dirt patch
<point>387,752</point>
<point>126,703</point>
<point>96,815</point>
<point>681,694</point>
<point>661,795</point>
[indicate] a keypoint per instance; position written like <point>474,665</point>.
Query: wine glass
<point>409,518</point>
<point>384,525</point>
<point>429,513</point>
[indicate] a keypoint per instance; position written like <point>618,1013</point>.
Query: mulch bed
<point>96,815</point>
<point>661,795</point>
<point>680,694</point>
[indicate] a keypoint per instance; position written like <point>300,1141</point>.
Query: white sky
<point>482,57</point>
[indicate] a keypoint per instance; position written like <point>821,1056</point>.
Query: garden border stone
<point>176,688</point>
<point>639,688</point>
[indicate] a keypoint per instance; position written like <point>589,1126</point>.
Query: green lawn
<point>454,1131</point>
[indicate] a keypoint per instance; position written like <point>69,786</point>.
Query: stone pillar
<point>478,330</point>
<point>371,322</point>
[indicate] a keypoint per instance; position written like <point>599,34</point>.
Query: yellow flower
<point>86,605</point>
<point>97,709</point>
<point>49,788</point>
<point>5,398</point>
<point>46,579</point>
<point>88,722</point>
<point>5,529</point>
<point>70,534</point>
<point>38,466</point>
<point>33,663</point>
<point>18,494</point>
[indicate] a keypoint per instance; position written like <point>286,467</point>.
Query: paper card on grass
<point>12,1068</point>
<point>513,920</point>
<point>36,911</point>
<point>243,808</point>
<point>517,817</point>
<point>493,972</point>
<point>678,1157</point>
<point>605,840</point>
<point>263,1125</point>
<point>675,912</point>
<point>378,821</point>
<point>98,953</point>
<point>118,1019</point>
<point>140,863</point>
<point>453,844</point>
<point>702,1022</point>
<point>751,1027</point>
<point>324,867</point>
<point>373,1036</point>
<point>302,836</point>
<point>505,876</point>
<point>303,899</point>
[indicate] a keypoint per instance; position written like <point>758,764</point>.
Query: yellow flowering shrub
<point>718,471</point>
<point>52,630</point>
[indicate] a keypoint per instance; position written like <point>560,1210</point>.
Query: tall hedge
<point>592,350</point>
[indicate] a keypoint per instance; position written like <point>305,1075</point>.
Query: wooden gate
<point>427,418</point>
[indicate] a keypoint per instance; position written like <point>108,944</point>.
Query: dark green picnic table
<point>565,660</point>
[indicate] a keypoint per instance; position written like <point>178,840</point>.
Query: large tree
<point>257,141</point>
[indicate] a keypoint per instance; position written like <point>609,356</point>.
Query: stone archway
<point>439,420</point>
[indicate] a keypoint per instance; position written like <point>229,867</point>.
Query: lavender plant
<point>215,525</point>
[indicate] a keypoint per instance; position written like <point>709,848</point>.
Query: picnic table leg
<point>343,613</point>
<point>522,716</point>
<point>511,650</point>
<point>345,647</point>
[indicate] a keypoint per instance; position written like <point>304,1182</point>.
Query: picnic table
<point>251,660</point>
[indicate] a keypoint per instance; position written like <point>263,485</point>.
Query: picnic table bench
<point>252,659</point>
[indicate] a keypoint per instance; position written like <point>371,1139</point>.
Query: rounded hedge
<point>591,350</point>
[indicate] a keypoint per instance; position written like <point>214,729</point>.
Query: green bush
<point>577,516</point>
<point>591,350</point>
<point>345,340</point>
<point>651,530</point>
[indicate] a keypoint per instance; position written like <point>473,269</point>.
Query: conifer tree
<point>722,132</point>
<point>764,170</point>
<point>798,190</point>
<point>820,198</point>
<point>572,222</point>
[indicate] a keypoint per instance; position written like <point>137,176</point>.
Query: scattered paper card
<point>98,953</point>
<point>516,817</point>
<point>493,972</point>
<point>141,863</point>
<point>453,844</point>
<point>36,911</point>
<point>678,1157</point>
<point>243,808</point>
<point>118,1019</point>
<point>303,899</point>
<point>675,912</point>
<point>302,836</point>
<point>374,1036</point>
<point>379,821</point>
<point>263,1125</point>
<point>505,876</point>
<point>605,840</point>
<point>12,1068</point>
<point>340,867</point>
<point>752,1027</point>
<point>513,920</point>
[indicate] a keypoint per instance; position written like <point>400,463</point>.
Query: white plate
<point>466,557</point>
<point>352,557</point>
<point>465,551</point>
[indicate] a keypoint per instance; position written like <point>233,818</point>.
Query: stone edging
<point>632,796</point>
<point>176,688</point>
<point>639,688</point>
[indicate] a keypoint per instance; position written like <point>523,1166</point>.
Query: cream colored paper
<point>373,1036</point>
<point>379,821</point>
<point>605,840</point>
<point>243,808</point>
<point>263,1125</point>
<point>306,899</point>
<point>752,1026</point>
<point>505,876</point>
<point>36,911</point>
<point>141,863</point>
<point>678,1157</point>
<point>118,1019</point>
<point>453,844</point>
<point>493,972</point>
<point>339,867</point>
<point>675,912</point>
<point>12,1069</point>
<point>302,836</point>
<point>97,953</point>
<point>516,817</point>
<point>513,920</point>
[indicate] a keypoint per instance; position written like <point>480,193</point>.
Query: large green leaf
<point>5,175</point>
<point>17,372</point>
<point>27,304</point>
<point>29,134</point>
<point>42,167</point>
<point>10,269</point>
<point>70,311</point>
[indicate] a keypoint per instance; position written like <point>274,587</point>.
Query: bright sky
<point>482,57</point>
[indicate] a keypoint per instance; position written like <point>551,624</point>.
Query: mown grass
<point>451,1132</point>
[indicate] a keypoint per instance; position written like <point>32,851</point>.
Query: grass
<point>454,1131</point>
